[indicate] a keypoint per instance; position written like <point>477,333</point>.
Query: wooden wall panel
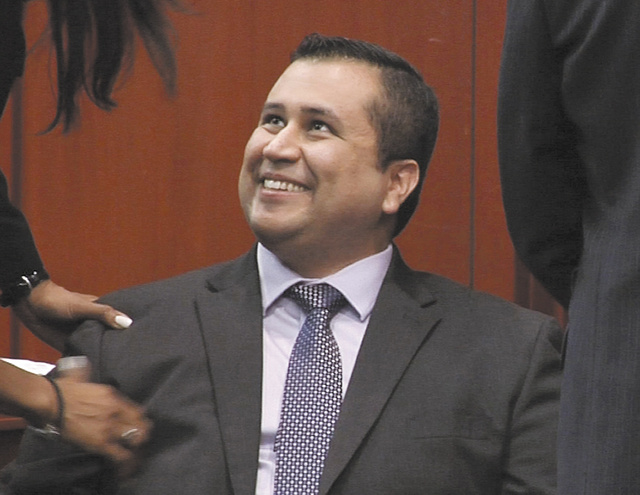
<point>149,190</point>
<point>438,237</point>
<point>493,251</point>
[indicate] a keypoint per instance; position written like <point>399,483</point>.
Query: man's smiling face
<point>311,184</point>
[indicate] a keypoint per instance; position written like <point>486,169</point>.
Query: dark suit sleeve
<point>541,170</point>
<point>531,461</point>
<point>18,253</point>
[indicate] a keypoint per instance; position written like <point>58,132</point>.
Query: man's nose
<point>284,146</point>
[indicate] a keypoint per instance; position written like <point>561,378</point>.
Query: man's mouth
<point>281,185</point>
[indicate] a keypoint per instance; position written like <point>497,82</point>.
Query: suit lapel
<point>403,317</point>
<point>231,314</point>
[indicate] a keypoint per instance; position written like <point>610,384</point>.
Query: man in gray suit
<point>443,390</point>
<point>569,134</point>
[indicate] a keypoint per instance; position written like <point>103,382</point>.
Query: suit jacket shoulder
<point>486,313</point>
<point>138,300</point>
<point>494,314</point>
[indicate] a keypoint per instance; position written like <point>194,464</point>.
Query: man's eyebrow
<point>320,111</point>
<point>309,110</point>
<point>269,106</point>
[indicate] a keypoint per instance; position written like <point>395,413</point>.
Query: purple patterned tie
<point>312,394</point>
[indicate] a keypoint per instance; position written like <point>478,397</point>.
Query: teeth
<point>282,185</point>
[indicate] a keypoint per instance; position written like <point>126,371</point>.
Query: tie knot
<point>319,296</point>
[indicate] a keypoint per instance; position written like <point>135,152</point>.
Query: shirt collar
<point>359,282</point>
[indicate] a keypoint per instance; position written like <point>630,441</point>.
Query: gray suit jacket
<point>569,135</point>
<point>453,392</point>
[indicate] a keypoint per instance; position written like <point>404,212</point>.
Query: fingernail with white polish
<point>123,321</point>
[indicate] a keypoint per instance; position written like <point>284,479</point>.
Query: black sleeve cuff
<point>22,287</point>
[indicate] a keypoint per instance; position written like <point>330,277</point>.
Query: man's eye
<point>319,126</point>
<point>273,120</point>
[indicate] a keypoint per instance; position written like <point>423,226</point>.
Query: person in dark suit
<point>569,136</point>
<point>445,390</point>
<point>91,41</point>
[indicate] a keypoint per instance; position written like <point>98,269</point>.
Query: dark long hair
<point>94,42</point>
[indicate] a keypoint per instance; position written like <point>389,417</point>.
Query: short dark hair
<point>406,118</point>
<point>94,39</point>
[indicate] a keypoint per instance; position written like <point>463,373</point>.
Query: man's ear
<point>403,178</point>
